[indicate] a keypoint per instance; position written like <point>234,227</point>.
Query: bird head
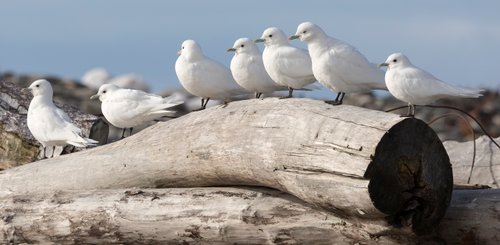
<point>306,32</point>
<point>272,36</point>
<point>243,45</point>
<point>395,60</point>
<point>41,87</point>
<point>190,50</point>
<point>104,91</point>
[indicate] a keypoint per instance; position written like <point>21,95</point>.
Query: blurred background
<point>135,42</point>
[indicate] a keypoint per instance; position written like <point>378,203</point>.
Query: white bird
<point>50,125</point>
<point>204,77</point>
<point>131,81</point>
<point>127,108</point>
<point>415,86</point>
<point>95,77</point>
<point>337,65</point>
<point>248,68</point>
<point>286,65</point>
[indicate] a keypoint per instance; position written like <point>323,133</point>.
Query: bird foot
<point>408,115</point>
<point>285,97</point>
<point>334,102</point>
<point>199,109</point>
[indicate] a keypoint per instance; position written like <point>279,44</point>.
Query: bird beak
<point>383,64</point>
<point>95,96</point>
<point>293,37</point>
<point>179,52</point>
<point>231,50</point>
<point>260,40</point>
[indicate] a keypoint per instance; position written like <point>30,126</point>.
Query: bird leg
<point>203,104</point>
<point>48,153</point>
<point>257,95</point>
<point>226,102</point>
<point>130,131</point>
<point>411,111</point>
<point>290,91</point>
<point>123,133</point>
<point>42,152</point>
<point>338,100</point>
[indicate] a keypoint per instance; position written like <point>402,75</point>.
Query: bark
<point>348,160</point>
<point>17,145</point>
<point>223,215</point>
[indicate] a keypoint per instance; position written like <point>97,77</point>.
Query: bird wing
<point>351,66</point>
<point>56,126</point>
<point>130,104</point>
<point>425,84</point>
<point>294,62</point>
<point>218,76</point>
<point>65,121</point>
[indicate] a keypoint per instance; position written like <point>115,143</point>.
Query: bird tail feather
<point>171,101</point>
<point>462,92</point>
<point>83,142</point>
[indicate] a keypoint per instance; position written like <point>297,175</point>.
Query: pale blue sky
<point>457,41</point>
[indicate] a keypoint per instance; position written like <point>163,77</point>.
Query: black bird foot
<point>225,104</point>
<point>408,115</point>
<point>199,109</point>
<point>285,97</point>
<point>334,102</point>
<point>338,100</point>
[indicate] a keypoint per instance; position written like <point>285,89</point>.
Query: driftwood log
<point>486,169</point>
<point>180,216</point>
<point>223,215</point>
<point>355,162</point>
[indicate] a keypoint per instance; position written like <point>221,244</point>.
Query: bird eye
<point>104,91</point>
<point>304,32</point>
<point>395,60</point>
<point>38,85</point>
<point>182,47</point>
<point>271,35</point>
<point>243,45</point>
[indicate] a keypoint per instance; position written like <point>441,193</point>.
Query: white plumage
<point>248,69</point>
<point>411,84</point>
<point>204,77</point>
<point>415,86</point>
<point>286,65</point>
<point>50,125</point>
<point>338,65</point>
<point>127,108</point>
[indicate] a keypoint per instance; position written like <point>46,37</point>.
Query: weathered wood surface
<point>195,216</point>
<point>223,215</point>
<point>486,170</point>
<point>17,145</point>
<point>310,149</point>
<point>472,218</point>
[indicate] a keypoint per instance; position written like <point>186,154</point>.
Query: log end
<point>411,177</point>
